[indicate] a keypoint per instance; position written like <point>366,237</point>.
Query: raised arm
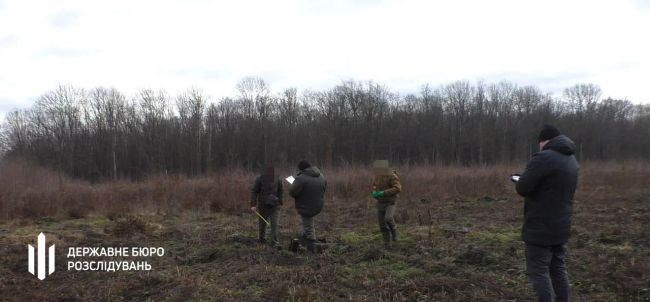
<point>296,187</point>
<point>536,169</point>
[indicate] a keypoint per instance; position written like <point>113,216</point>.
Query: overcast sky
<point>176,45</point>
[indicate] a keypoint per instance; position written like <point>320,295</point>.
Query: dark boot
<point>311,246</point>
<point>295,245</point>
<point>386,237</point>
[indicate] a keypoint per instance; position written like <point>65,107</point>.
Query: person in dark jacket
<point>266,199</point>
<point>548,185</point>
<point>308,189</point>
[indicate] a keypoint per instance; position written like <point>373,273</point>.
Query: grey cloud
<point>199,73</point>
<point>324,7</point>
<point>67,52</point>
<point>642,4</point>
<point>6,106</point>
<point>64,19</point>
<point>8,40</point>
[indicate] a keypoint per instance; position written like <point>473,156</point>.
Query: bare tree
<point>107,117</point>
<point>582,97</point>
<point>103,134</point>
<point>191,106</point>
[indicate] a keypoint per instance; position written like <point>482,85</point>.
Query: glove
<point>377,194</point>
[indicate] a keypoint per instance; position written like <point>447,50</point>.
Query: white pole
<point>50,260</point>
<point>41,256</point>
<point>30,259</point>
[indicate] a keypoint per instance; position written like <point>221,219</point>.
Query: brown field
<point>460,237</point>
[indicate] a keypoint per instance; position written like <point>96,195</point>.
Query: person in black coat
<point>548,185</point>
<point>308,189</point>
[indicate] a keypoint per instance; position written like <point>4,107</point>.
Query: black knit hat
<point>548,132</point>
<point>303,164</point>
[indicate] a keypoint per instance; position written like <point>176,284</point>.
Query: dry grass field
<point>460,237</point>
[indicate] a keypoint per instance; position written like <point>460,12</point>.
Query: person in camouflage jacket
<point>385,189</point>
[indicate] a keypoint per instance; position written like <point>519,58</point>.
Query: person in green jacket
<point>266,199</point>
<point>385,189</point>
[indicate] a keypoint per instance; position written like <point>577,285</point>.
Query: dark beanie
<point>303,164</point>
<point>548,132</point>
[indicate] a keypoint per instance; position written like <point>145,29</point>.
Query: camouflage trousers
<point>308,231</point>
<point>386,221</point>
<point>272,215</point>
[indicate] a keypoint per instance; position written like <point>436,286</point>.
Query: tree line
<point>102,134</point>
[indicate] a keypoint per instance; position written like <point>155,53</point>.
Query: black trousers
<point>546,269</point>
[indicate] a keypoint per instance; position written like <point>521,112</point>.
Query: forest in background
<point>194,161</point>
<point>102,134</point>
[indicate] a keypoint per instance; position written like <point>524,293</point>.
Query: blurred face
<point>382,171</point>
<point>268,173</point>
<point>542,144</point>
<point>381,167</point>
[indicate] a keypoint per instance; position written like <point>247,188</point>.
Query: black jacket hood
<point>311,171</point>
<point>562,144</point>
<point>309,191</point>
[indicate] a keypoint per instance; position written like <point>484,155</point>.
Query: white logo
<point>41,258</point>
